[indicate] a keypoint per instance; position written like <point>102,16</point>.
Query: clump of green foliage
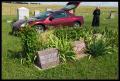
<point>99,46</point>
<point>99,42</point>
<point>64,47</point>
<point>96,45</point>
<point>29,43</point>
<point>61,43</point>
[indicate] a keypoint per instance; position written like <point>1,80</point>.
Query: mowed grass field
<point>102,67</point>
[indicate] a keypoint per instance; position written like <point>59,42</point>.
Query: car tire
<point>40,28</point>
<point>77,24</point>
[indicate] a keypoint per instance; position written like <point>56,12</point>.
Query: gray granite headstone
<point>79,48</point>
<point>48,58</point>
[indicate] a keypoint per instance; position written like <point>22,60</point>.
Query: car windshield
<point>43,15</point>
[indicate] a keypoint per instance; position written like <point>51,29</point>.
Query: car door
<point>60,19</point>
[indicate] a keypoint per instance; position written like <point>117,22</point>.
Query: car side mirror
<point>51,18</point>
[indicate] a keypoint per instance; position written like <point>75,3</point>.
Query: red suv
<point>62,17</point>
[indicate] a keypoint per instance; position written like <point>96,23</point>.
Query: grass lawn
<point>102,67</point>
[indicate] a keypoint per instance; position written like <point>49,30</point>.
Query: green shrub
<point>98,46</point>
<point>48,39</point>
<point>64,47</point>
<point>110,33</point>
<point>112,36</point>
<point>29,43</point>
<point>72,33</point>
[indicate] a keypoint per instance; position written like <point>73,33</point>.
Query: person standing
<point>96,17</point>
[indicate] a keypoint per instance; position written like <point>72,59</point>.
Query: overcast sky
<point>113,4</point>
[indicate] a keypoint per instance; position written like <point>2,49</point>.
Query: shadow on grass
<point>15,34</point>
<point>12,54</point>
<point>10,33</point>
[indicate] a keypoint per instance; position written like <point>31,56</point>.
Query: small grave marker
<point>47,58</point>
<point>112,14</point>
<point>48,9</point>
<point>37,12</point>
<point>79,48</point>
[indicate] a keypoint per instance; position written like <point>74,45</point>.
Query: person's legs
<point>93,21</point>
<point>97,21</point>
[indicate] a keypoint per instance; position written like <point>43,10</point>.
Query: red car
<point>62,17</point>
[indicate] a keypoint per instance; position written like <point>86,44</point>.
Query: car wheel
<point>77,24</point>
<point>40,28</point>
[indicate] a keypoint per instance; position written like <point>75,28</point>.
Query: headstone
<point>22,13</point>
<point>48,58</point>
<point>112,16</point>
<point>48,9</point>
<point>79,48</point>
<point>37,12</point>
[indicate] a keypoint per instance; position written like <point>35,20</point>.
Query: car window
<point>43,15</point>
<point>59,15</point>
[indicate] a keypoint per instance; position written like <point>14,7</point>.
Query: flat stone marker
<point>79,48</point>
<point>48,58</point>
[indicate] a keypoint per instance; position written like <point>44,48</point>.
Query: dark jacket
<point>96,17</point>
